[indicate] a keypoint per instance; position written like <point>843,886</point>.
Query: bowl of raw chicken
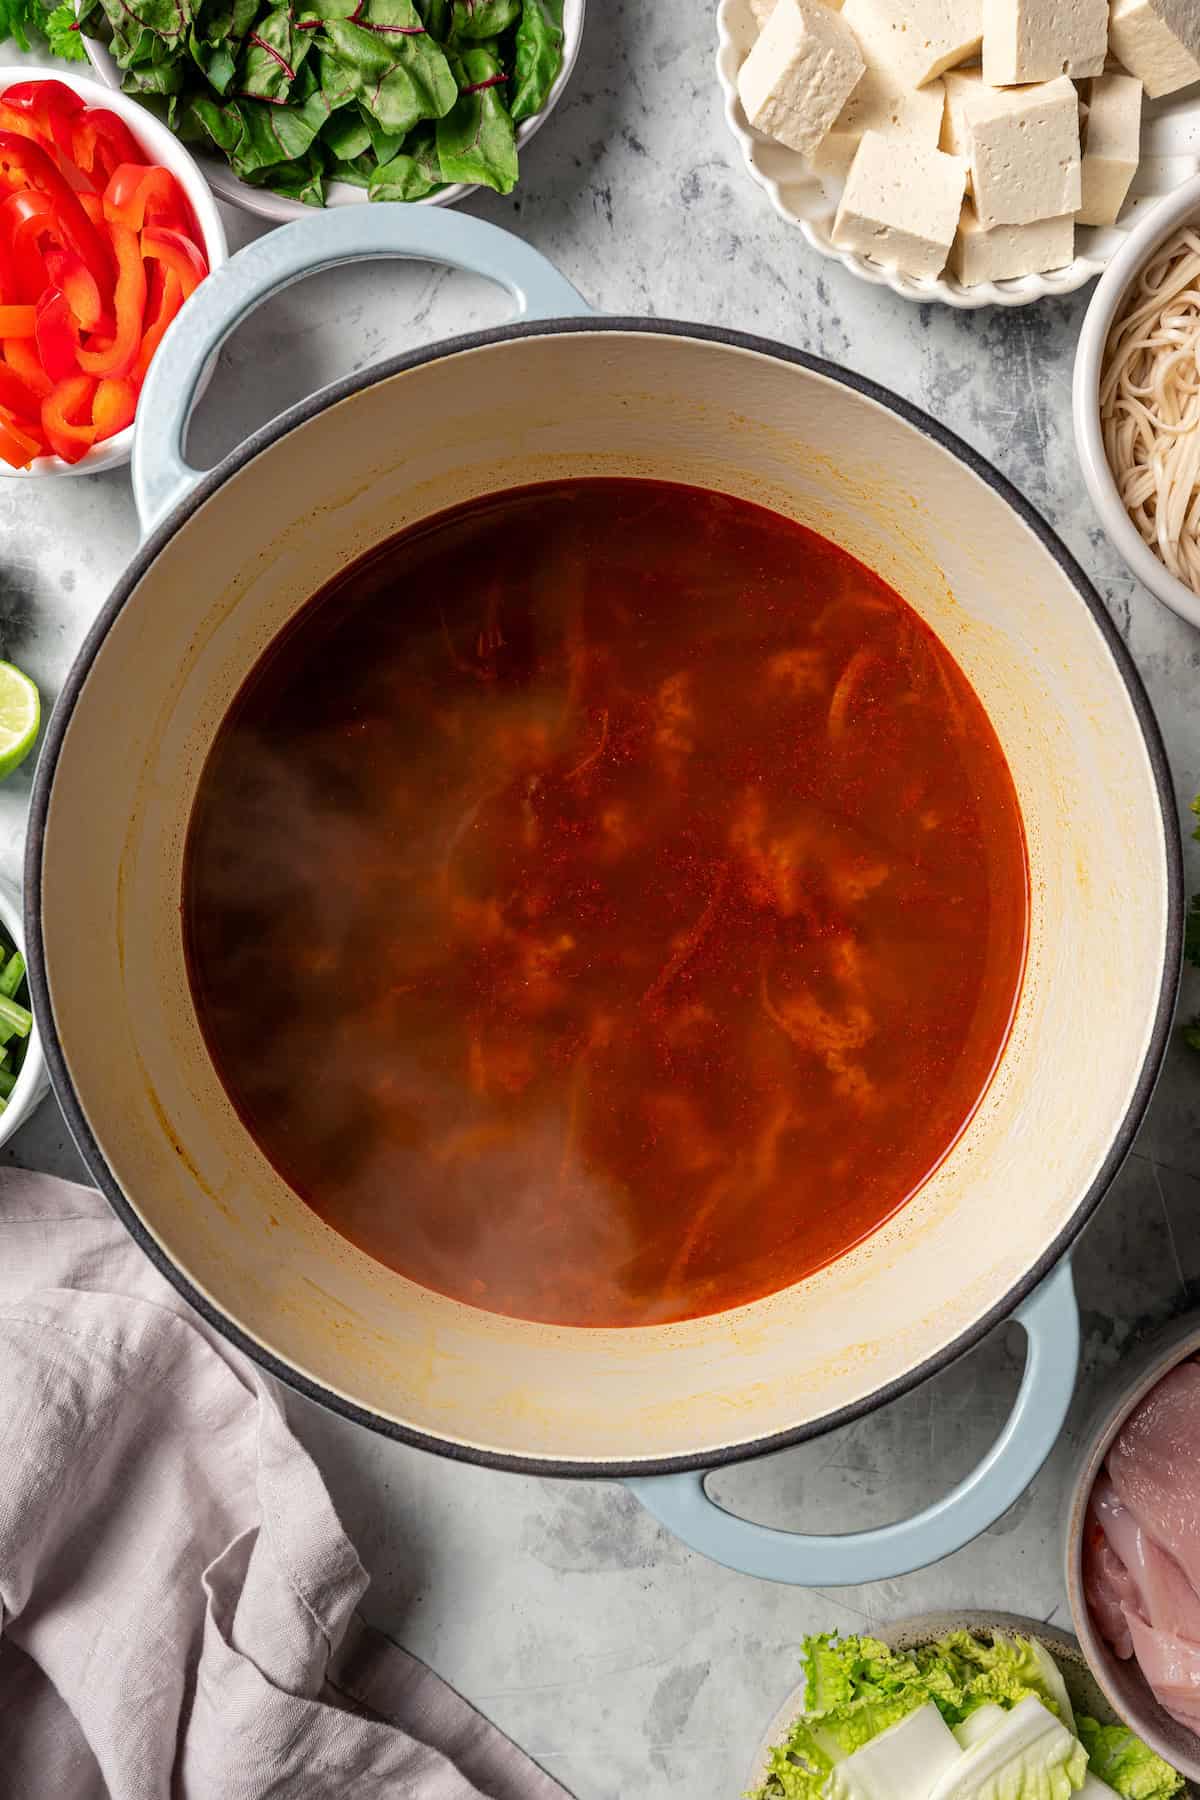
<point>1133,1546</point>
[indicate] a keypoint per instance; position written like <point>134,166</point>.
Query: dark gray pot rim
<point>73,1110</point>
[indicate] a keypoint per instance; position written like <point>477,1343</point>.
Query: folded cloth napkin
<point>177,1598</point>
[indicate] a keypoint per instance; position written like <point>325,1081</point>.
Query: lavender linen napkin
<point>177,1598</point>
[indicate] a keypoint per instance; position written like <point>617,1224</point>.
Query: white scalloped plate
<point>1170,155</point>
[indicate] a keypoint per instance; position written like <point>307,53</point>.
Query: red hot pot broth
<point>606,902</point>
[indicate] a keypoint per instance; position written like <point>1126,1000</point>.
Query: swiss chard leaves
<point>303,179</point>
<point>169,21</point>
<point>399,79</point>
<point>272,56</point>
<point>413,174</point>
<point>391,96</point>
<point>216,21</point>
<point>257,137</point>
<point>387,144</point>
<point>537,57</point>
<point>476,140</point>
<point>356,173</point>
<point>471,21</point>
<point>346,136</point>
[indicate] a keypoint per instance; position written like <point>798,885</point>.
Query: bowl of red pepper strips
<point>106,229</point>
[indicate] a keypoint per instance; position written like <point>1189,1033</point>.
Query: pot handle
<point>161,476</point>
<point>1050,1321</point>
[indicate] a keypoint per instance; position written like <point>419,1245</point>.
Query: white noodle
<point>1150,405</point>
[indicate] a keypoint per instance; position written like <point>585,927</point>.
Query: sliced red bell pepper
<point>139,195</point>
<point>178,252</point>
<point>23,125</point>
<point>159,314</point>
<point>51,105</point>
<point>56,335</point>
<point>118,356</point>
<point>18,445</point>
<point>11,287</point>
<point>26,226</point>
<point>18,321</point>
<point>66,418</point>
<point>71,274</point>
<point>20,355</point>
<point>113,407</point>
<point>26,165</point>
<point>22,400</point>
<point>93,206</point>
<point>100,143</point>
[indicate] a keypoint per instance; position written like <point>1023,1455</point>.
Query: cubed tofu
<point>1023,148</point>
<point>963,88</point>
<point>1112,137</point>
<point>1008,250</point>
<point>802,70</point>
<point>878,105</point>
<point>915,40</point>
<point>1035,40</point>
<point>901,204</point>
<point>955,136</point>
<point>1158,41</point>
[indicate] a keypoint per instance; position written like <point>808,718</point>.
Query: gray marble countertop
<point>627,1665</point>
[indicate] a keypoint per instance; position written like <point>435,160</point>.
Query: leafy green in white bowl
<point>298,105</point>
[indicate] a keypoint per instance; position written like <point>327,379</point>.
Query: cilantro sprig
<point>29,24</point>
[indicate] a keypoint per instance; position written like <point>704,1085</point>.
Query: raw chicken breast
<point>1155,1466</point>
<point>1109,1587</point>
<point>1141,1558</point>
<point>1163,1596</point>
<point>1172,1667</point>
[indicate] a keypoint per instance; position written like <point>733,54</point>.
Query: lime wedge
<point>20,716</point>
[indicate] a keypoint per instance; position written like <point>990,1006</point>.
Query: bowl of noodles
<point>1137,401</point>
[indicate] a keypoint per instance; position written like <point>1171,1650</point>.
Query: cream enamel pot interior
<point>229,557</point>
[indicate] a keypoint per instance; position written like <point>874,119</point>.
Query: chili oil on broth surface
<point>606,903</point>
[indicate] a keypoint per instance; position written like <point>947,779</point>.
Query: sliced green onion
<point>14,1018</point>
<point>8,1082</point>
<point>13,975</point>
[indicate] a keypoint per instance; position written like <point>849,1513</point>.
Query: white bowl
<point>228,186</point>
<point>33,1083</point>
<point>1151,230</point>
<point>1170,155</point>
<point>162,147</point>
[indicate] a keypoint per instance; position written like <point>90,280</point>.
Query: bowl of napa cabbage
<point>965,1706</point>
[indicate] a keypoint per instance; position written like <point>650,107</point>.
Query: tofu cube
<point>901,204</point>
<point>878,105</point>
<point>802,70</point>
<point>1035,40</point>
<point>1158,41</point>
<point>915,40</point>
<point>1008,250</point>
<point>1022,145</point>
<point>1111,147</point>
<point>963,88</point>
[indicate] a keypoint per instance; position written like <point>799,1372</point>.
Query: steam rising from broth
<point>606,903</point>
